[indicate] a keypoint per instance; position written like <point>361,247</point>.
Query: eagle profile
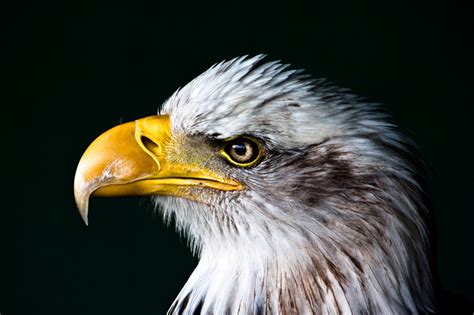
<point>298,197</point>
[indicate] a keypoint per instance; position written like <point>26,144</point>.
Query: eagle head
<point>297,196</point>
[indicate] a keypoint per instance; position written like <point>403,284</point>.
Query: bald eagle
<point>297,196</point>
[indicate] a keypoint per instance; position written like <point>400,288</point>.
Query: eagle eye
<point>242,151</point>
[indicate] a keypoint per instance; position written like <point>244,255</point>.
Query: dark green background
<point>75,70</point>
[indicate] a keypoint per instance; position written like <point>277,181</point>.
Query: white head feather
<point>333,219</point>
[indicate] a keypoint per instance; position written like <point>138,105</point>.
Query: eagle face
<point>297,196</point>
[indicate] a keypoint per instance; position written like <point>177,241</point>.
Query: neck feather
<point>292,278</point>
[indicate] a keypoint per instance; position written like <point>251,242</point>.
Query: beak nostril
<point>150,145</point>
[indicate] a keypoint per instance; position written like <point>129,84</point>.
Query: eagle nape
<point>298,197</point>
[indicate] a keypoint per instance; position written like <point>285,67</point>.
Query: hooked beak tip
<point>83,206</point>
<point>82,202</point>
<point>84,215</point>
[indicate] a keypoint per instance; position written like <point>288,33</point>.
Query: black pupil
<point>239,148</point>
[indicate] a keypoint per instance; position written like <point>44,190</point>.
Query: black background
<point>74,70</point>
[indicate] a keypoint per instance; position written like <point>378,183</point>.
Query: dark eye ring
<point>242,151</point>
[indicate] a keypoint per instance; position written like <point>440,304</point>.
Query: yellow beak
<point>132,159</point>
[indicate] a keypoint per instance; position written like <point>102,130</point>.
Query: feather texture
<point>332,221</point>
